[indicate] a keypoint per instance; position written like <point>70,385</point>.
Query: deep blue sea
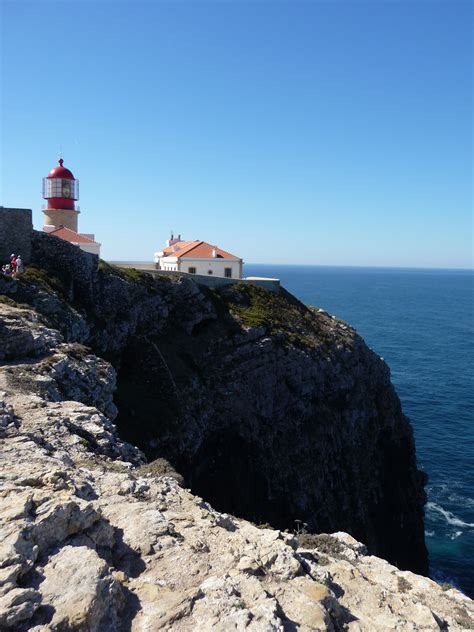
<point>422,323</point>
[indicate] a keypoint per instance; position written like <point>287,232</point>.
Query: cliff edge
<point>270,410</point>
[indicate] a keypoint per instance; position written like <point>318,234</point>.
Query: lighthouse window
<point>228,272</point>
<point>59,187</point>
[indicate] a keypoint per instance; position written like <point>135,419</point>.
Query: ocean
<point>422,323</point>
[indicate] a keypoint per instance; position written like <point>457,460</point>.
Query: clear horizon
<point>305,133</point>
<point>315,265</point>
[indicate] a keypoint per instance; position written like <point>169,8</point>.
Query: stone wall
<point>271,285</point>
<point>74,267</point>
<point>15,233</point>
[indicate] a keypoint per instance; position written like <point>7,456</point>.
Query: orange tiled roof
<point>169,251</point>
<point>197,250</point>
<point>70,235</point>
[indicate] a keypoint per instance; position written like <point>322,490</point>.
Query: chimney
<point>214,252</point>
<point>173,240</point>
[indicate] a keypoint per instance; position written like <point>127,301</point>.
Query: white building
<point>83,240</point>
<point>198,257</point>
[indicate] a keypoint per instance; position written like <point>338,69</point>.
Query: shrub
<point>6,300</point>
<point>322,542</point>
<point>38,276</point>
<point>160,467</point>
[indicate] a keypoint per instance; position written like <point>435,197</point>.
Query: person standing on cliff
<point>19,265</point>
<point>13,263</point>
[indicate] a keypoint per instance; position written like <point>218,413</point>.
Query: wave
<point>452,492</point>
<point>462,500</point>
<point>449,517</point>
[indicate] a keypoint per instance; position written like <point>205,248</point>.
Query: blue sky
<point>335,133</point>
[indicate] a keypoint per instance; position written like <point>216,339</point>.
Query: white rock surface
<point>91,542</point>
<point>88,543</point>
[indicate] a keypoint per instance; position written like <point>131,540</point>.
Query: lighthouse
<point>61,190</point>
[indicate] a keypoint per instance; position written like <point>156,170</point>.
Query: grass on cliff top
<point>256,307</point>
<point>126,273</point>
<point>131,274</point>
<point>6,300</point>
<point>38,276</point>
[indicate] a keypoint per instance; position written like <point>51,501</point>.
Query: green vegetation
<point>257,308</point>
<point>77,351</point>
<point>160,467</point>
<point>49,361</point>
<point>38,276</point>
<point>256,313</point>
<point>132,274</point>
<point>277,312</point>
<point>103,265</point>
<point>6,300</point>
<point>323,543</point>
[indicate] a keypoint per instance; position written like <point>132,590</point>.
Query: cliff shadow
<point>147,400</point>
<point>226,472</point>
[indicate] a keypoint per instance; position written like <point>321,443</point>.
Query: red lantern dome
<point>60,172</point>
<point>60,188</point>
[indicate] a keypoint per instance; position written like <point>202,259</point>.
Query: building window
<point>228,273</point>
<point>209,271</point>
<point>192,270</point>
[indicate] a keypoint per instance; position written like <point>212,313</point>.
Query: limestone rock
<point>23,335</point>
<point>81,591</point>
<point>88,543</point>
<point>270,409</point>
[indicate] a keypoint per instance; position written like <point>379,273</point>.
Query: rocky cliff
<point>269,410</point>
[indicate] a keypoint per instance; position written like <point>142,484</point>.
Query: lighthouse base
<point>57,217</point>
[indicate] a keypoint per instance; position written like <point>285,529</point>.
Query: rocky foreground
<point>93,540</point>
<point>271,410</point>
<point>241,404</point>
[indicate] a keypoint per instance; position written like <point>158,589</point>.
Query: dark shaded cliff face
<point>271,410</point>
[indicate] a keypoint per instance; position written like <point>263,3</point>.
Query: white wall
<point>168,263</point>
<point>93,248</point>
<point>202,266</point>
<point>215,265</point>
